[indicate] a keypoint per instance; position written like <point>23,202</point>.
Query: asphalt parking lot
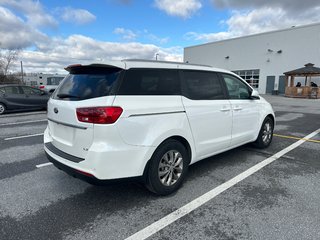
<point>279,201</point>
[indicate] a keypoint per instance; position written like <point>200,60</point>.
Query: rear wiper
<point>64,95</point>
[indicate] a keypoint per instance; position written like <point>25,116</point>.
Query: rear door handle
<point>237,108</point>
<point>225,109</point>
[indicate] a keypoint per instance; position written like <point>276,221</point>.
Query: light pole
<point>21,72</point>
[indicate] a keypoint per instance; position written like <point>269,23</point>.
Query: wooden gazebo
<point>306,91</point>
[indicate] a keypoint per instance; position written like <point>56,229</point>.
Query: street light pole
<point>21,71</point>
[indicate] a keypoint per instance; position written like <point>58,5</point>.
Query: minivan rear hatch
<point>85,87</point>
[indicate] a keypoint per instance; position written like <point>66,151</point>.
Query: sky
<point>53,34</point>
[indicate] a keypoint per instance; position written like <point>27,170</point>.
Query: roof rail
<point>158,61</point>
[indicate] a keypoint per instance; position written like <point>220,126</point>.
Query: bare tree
<point>1,63</point>
<point>7,58</point>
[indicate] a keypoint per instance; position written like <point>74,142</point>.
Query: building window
<point>54,80</point>
<point>251,76</point>
<point>33,83</point>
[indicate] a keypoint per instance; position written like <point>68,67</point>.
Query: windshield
<point>86,85</point>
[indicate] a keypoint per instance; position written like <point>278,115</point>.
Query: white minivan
<point>150,120</point>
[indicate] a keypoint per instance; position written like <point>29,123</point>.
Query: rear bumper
<point>102,162</point>
<point>62,154</point>
<point>90,179</point>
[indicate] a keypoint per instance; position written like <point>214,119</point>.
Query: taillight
<point>99,115</point>
<point>41,87</point>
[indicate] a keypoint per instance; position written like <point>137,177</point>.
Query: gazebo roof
<point>309,69</point>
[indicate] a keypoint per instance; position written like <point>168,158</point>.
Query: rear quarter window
<point>150,82</point>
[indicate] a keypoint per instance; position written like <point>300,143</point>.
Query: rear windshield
<point>86,84</point>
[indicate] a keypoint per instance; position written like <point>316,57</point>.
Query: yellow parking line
<point>297,138</point>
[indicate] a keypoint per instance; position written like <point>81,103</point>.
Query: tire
<point>2,108</point>
<point>265,135</point>
<point>167,168</point>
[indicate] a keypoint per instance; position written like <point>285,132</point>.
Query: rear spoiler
<point>112,64</point>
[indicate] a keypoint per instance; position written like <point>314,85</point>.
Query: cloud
<point>52,54</point>
<point>130,35</point>
<point>179,8</point>
<point>77,16</point>
<point>60,52</point>
<point>15,33</point>
<point>259,20</point>
<point>157,39</point>
<point>33,11</point>
<point>126,34</point>
<point>170,54</point>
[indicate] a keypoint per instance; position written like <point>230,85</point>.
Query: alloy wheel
<point>267,133</point>
<point>170,167</point>
<point>2,109</point>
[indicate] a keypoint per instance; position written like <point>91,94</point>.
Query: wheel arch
<point>178,138</point>
<point>272,117</point>
<point>263,117</point>
<point>185,143</point>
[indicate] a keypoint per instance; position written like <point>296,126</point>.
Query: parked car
<point>48,88</point>
<point>15,97</point>
<point>150,120</point>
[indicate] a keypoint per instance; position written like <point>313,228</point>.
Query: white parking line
<point>25,136</point>
<point>44,165</point>
<point>16,123</point>
<point>196,203</point>
<point>21,114</point>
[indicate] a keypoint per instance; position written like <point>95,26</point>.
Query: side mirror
<point>254,95</point>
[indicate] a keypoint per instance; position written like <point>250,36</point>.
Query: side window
<point>236,88</point>
<point>150,82</point>
<point>201,85</point>
<point>2,91</point>
<point>31,91</point>
<point>12,90</point>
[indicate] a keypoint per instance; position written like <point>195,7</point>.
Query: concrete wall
<point>299,45</point>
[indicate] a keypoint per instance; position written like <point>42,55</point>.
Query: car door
<point>35,97</point>
<point>245,110</point>
<point>14,97</point>
<point>208,111</point>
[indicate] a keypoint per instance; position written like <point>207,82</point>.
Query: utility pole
<point>21,72</point>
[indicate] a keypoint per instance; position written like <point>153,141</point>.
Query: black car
<point>17,97</point>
